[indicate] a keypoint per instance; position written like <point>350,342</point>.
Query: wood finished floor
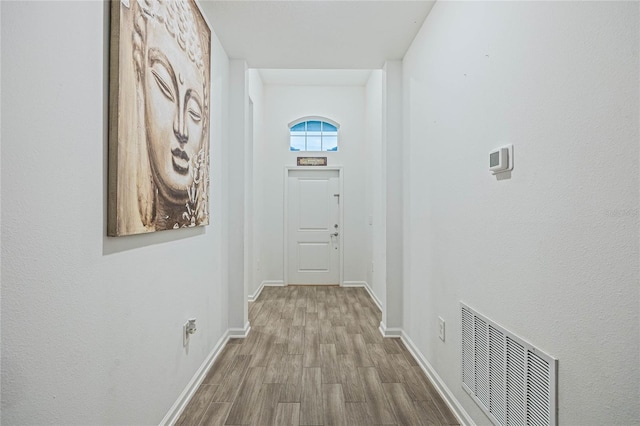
<point>314,356</point>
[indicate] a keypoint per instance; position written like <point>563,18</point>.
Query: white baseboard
<point>254,296</point>
<point>178,407</point>
<point>389,331</point>
<point>354,284</point>
<point>446,394</point>
<point>239,333</point>
<point>263,284</point>
<point>373,296</point>
<point>366,287</point>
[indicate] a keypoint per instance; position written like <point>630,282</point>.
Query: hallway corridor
<point>314,356</point>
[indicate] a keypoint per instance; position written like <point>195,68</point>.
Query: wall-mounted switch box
<point>501,159</point>
<point>441,328</point>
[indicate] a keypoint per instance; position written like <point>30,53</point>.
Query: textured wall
<point>552,252</point>
<point>91,326</point>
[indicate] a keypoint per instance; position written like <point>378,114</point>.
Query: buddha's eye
<point>193,109</point>
<point>164,86</point>
<point>195,115</point>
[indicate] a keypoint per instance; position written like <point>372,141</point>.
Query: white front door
<point>313,228</point>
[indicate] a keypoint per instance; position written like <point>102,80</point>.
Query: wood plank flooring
<point>314,356</point>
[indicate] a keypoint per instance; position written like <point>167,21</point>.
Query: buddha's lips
<point>177,152</point>
<point>180,160</point>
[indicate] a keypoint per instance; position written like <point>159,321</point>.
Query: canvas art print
<point>159,116</point>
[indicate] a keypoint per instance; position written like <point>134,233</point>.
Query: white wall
<point>393,160</point>
<point>236,163</point>
<point>376,188</point>
<point>91,325</point>
<point>283,104</point>
<point>256,95</point>
<point>550,253</point>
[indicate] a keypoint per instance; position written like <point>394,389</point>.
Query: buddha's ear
<point>138,35</point>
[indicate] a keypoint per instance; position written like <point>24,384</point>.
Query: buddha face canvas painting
<point>159,116</point>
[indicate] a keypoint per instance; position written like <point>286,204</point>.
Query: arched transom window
<point>313,134</point>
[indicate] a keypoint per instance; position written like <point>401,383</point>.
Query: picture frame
<point>159,116</point>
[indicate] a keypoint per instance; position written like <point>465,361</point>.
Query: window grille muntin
<point>314,134</point>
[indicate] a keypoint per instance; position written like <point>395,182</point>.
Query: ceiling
<point>306,77</point>
<point>301,34</point>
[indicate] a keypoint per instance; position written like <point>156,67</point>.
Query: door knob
<point>335,234</point>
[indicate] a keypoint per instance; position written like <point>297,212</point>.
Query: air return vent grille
<point>512,381</point>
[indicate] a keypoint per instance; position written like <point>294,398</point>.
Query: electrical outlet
<point>188,328</point>
<point>258,265</point>
<point>441,328</point>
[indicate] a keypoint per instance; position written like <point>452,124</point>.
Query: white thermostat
<point>501,159</point>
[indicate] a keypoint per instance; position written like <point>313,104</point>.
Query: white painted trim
<point>452,402</point>
<point>389,332</point>
<point>263,284</point>
<point>314,118</point>
<point>446,394</point>
<point>342,223</point>
<point>374,297</point>
<point>366,287</point>
<point>178,407</point>
<point>239,333</point>
<point>254,296</point>
<point>355,284</point>
<point>285,227</point>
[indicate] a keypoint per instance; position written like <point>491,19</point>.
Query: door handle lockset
<point>335,234</point>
